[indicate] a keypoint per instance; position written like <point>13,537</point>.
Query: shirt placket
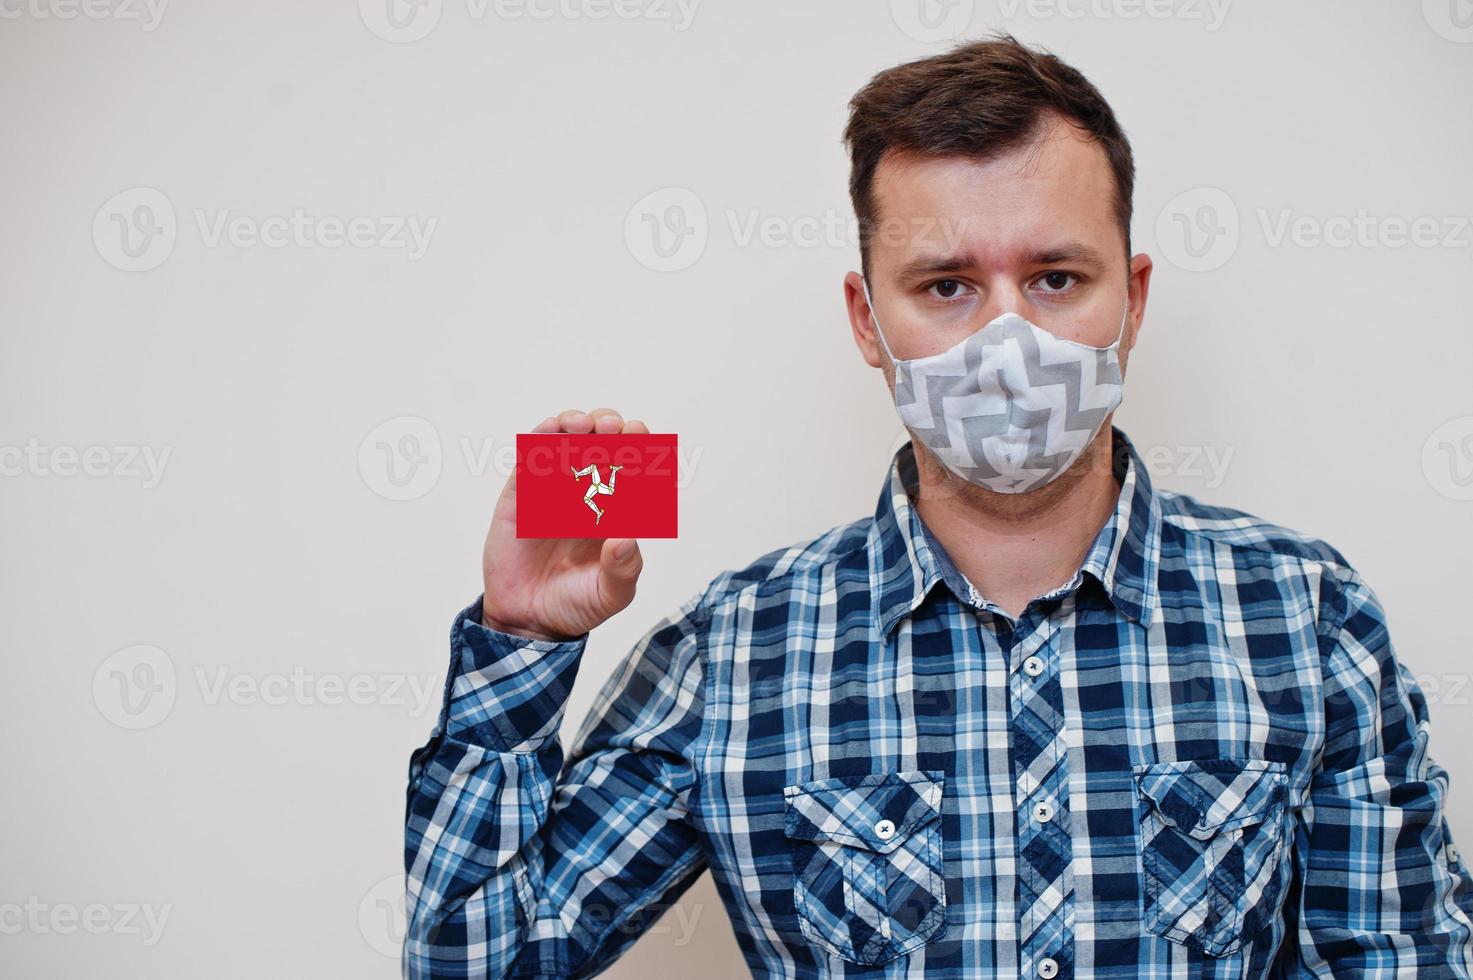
<point>1041,796</point>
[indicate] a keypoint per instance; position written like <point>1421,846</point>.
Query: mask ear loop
<point>878,332</point>
<point>1113,345</point>
<point>1120,334</point>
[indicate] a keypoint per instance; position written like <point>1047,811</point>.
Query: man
<point>1034,717</point>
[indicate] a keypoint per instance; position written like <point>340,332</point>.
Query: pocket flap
<point>1204,796</point>
<point>876,812</point>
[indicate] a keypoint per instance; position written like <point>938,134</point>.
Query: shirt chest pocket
<point>1212,849</point>
<point>867,864</point>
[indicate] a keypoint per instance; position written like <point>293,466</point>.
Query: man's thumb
<point>619,564</point>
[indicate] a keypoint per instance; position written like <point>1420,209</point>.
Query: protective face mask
<point>1011,406</point>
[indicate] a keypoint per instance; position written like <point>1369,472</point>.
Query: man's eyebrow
<point>930,265</point>
<point>1069,252</point>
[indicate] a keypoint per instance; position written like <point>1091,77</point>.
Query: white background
<point>1328,382</point>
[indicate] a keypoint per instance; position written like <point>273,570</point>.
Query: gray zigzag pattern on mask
<point>1069,374</point>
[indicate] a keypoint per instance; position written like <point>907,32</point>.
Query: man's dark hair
<point>979,100</point>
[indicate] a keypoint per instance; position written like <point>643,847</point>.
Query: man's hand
<point>557,588</point>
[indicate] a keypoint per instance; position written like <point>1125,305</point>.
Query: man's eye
<point>1057,282</point>
<point>946,288</point>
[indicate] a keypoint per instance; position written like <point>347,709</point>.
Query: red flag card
<point>596,485</point>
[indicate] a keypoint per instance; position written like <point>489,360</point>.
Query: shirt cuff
<point>507,692</point>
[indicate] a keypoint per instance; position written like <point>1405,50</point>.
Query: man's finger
<point>606,420</point>
<point>575,420</point>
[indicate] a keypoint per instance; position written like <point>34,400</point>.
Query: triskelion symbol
<point>596,487</point>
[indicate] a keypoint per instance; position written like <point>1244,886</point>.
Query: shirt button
<point>1452,853</point>
<point>1048,968</point>
<point>884,830</point>
<point>1043,812</point>
<point>1033,666</point>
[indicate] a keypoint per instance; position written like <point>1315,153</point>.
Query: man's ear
<point>1138,288</point>
<point>861,324</point>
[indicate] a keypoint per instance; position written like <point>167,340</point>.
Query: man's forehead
<point>1054,193</point>
<point>1076,177</point>
<point>1052,145</point>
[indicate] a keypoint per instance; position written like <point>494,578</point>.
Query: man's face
<point>961,242</point>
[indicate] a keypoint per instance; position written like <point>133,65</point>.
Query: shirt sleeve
<point>519,864</point>
<point>1381,890</point>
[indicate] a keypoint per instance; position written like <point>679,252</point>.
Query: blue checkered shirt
<point>1200,757</point>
